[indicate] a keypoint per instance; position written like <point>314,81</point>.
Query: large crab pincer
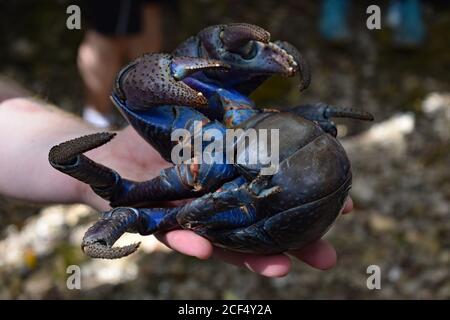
<point>238,206</point>
<point>248,51</point>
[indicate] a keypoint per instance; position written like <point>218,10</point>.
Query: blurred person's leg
<point>405,17</point>
<point>333,22</point>
<point>150,37</point>
<point>120,30</point>
<point>99,59</point>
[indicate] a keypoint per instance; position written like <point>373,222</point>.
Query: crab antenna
<point>339,112</point>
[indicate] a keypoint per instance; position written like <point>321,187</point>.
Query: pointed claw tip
<point>296,60</point>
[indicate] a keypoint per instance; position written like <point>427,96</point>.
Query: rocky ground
<point>400,164</point>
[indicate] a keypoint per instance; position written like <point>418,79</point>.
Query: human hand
<point>320,255</point>
<point>133,158</point>
<point>29,129</point>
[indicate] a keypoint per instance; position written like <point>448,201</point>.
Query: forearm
<point>28,129</point>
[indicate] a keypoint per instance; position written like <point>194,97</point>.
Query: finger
<point>348,207</point>
<point>270,266</point>
<point>320,255</point>
<point>186,242</point>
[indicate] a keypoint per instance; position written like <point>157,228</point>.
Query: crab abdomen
<point>315,177</point>
<point>290,229</point>
<point>312,172</point>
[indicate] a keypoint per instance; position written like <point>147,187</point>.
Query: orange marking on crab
<point>229,122</point>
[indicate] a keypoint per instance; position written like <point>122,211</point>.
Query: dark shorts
<point>115,17</point>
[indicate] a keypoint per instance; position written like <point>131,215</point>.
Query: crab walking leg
<point>323,113</point>
<point>230,207</point>
<point>68,158</point>
<point>178,182</point>
<point>99,239</point>
<point>175,183</point>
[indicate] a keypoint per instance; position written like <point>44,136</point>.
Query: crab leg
<point>99,239</point>
<point>322,114</point>
<point>232,206</point>
<point>323,111</point>
<point>174,183</point>
<point>68,158</point>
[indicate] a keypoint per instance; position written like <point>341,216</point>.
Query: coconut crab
<point>235,205</point>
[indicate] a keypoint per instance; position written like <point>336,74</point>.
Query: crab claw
<point>99,239</point>
<point>247,47</point>
<point>297,60</point>
<point>250,53</point>
<point>236,35</point>
<point>155,79</point>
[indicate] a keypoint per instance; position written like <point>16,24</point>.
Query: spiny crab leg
<point>156,79</point>
<point>99,239</point>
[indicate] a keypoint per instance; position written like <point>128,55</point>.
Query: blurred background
<point>401,162</point>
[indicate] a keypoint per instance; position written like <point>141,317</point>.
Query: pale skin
<point>28,129</point>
